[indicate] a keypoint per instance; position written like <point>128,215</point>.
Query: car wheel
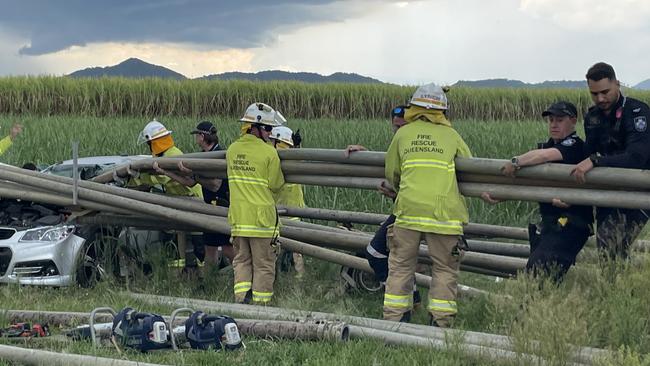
<point>367,281</point>
<point>89,270</point>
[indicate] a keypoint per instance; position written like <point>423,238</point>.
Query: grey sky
<point>403,42</point>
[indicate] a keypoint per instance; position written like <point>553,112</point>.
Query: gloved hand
<point>183,169</point>
<point>132,172</point>
<point>156,167</point>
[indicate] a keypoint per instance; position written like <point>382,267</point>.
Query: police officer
<point>254,174</point>
<point>215,191</point>
<point>420,165</point>
<point>616,130</point>
<point>564,229</point>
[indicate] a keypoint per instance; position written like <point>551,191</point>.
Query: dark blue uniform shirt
<point>622,137</point>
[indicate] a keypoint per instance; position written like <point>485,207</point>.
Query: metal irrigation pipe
<point>15,191</point>
<point>359,263</point>
<point>40,357</point>
<point>572,196</point>
<point>199,220</point>
<point>585,355</point>
<point>285,329</point>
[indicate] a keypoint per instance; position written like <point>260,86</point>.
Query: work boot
<point>406,317</point>
<point>191,273</point>
<point>417,299</point>
<point>441,323</point>
<point>248,298</point>
<point>432,322</point>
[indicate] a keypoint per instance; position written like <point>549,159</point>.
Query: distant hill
<point>644,85</point>
<point>507,83</point>
<point>131,68</point>
<point>308,77</point>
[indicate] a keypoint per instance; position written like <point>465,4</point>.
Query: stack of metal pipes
<point>605,187</point>
<point>119,206</point>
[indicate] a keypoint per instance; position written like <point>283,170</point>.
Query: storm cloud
<point>53,26</point>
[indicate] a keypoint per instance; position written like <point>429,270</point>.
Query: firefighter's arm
<point>463,150</point>
<point>147,179</point>
<point>276,178</point>
<point>5,144</point>
<point>211,184</point>
<point>186,181</point>
<point>393,167</point>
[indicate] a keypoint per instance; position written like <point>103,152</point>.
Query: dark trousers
<point>553,249</point>
<point>617,229</point>
<point>379,245</point>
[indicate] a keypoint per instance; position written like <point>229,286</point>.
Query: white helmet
<point>152,131</point>
<point>282,133</point>
<point>263,114</point>
<point>430,96</point>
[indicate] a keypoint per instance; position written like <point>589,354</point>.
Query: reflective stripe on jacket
<point>254,174</point>
<point>168,185</point>
<point>420,165</point>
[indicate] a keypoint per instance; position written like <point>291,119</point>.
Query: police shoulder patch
<point>568,142</point>
<point>640,123</point>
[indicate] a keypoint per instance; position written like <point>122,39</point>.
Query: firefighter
<point>291,194</point>
<point>6,142</point>
<point>420,166</point>
<point>254,175</point>
<point>564,229</point>
<point>161,144</point>
<point>377,250</point>
<point>616,135</point>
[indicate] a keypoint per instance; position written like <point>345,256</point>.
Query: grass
<point>48,139</point>
<point>116,97</point>
<point>607,309</point>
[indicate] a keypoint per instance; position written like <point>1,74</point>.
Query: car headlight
<point>48,233</point>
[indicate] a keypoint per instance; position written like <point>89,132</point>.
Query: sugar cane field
<point>589,308</point>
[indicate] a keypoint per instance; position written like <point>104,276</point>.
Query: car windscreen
<point>85,171</point>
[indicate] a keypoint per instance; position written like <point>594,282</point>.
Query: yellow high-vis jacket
<point>420,165</point>
<point>254,175</point>
<point>291,196</point>
<point>170,186</point>
<point>5,144</point>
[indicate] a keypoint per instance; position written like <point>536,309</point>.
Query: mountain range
<point>507,83</point>
<point>136,68</point>
<point>308,77</point>
<point>130,68</point>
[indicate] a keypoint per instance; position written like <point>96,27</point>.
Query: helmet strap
<point>259,131</point>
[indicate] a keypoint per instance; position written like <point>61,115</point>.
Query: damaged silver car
<point>38,246</point>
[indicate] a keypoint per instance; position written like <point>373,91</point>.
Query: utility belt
<point>558,223</point>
